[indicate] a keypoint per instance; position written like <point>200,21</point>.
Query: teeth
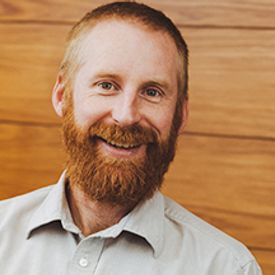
<point>120,145</point>
<point>126,146</point>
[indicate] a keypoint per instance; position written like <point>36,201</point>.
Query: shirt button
<point>83,262</point>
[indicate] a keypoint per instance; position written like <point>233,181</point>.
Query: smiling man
<point>122,95</point>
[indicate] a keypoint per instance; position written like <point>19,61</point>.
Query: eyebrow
<point>106,75</point>
<point>159,83</point>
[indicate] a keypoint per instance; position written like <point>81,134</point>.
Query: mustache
<point>132,135</point>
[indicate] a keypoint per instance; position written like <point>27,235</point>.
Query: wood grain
<point>225,13</point>
<point>228,182</point>
<point>30,57</point>
<point>232,82</point>
<point>266,260</point>
<point>231,77</point>
<point>30,157</point>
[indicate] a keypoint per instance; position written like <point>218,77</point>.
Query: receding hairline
<point>85,32</point>
<point>86,25</point>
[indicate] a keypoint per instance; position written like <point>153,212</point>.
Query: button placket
<point>86,256</point>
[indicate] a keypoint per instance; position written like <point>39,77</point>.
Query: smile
<point>120,145</point>
<point>121,150</point>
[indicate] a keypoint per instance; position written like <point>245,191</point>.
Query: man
<point>122,95</point>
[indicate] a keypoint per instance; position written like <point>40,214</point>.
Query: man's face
<point>123,103</point>
<point>128,75</point>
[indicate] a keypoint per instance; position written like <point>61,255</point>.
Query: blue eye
<point>106,85</point>
<point>152,92</point>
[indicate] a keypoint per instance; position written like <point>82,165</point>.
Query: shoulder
<point>206,237</point>
<point>21,207</point>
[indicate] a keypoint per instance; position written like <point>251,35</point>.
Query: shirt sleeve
<point>252,268</point>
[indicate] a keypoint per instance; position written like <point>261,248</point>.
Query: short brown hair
<point>133,12</point>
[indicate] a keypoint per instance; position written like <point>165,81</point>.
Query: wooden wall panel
<point>243,169</point>
<point>30,57</point>
<point>231,82</point>
<point>30,157</point>
<point>228,13</point>
<point>231,79</point>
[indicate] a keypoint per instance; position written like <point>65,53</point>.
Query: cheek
<point>87,111</point>
<point>161,120</point>
<point>165,126</point>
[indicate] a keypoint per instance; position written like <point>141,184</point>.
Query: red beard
<point>119,181</point>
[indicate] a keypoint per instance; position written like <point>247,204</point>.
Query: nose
<point>126,110</point>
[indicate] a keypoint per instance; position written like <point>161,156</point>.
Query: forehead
<point>125,47</point>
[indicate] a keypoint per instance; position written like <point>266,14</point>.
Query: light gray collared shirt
<point>39,237</point>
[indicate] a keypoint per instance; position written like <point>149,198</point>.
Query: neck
<point>93,216</point>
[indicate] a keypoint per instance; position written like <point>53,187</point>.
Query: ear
<point>185,114</point>
<point>58,95</point>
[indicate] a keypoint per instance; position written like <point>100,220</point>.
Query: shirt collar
<point>145,220</point>
<point>53,208</point>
